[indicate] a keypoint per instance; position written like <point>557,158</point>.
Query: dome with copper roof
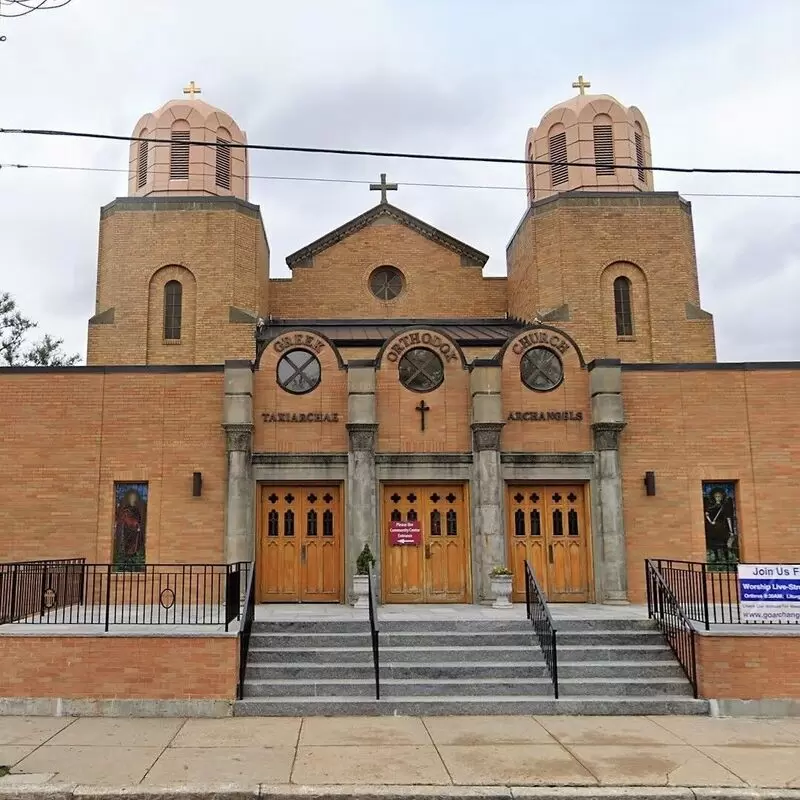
<point>192,152</point>
<point>592,129</point>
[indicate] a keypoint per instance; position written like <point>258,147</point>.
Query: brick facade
<point>117,667</point>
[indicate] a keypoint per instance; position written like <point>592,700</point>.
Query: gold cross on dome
<point>383,187</point>
<point>581,84</point>
<point>192,90</point>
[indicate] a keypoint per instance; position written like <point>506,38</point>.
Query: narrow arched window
<point>223,159</point>
<point>173,301</point>
<point>179,151</point>
<point>557,141</point>
<point>623,310</point>
<point>639,142</point>
<point>141,167</point>
<point>603,130</point>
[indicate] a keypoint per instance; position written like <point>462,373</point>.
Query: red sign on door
<point>403,533</point>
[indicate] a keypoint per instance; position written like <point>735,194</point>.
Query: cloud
<point>715,81</point>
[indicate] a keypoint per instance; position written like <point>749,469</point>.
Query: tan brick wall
<point>225,253</point>
<point>705,425</point>
<point>547,436</point>
<point>108,667</point>
<point>569,251</point>
<point>748,667</point>
<point>330,397</point>
<point>446,424</point>
<point>69,435</point>
<point>437,285</point>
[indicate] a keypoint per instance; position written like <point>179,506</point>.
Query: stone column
<point>608,421</point>
<point>237,420</point>
<point>488,529</point>
<point>362,488</point>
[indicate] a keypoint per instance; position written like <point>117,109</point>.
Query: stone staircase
<point>307,668</point>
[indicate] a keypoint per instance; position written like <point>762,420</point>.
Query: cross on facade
<point>192,90</point>
<point>383,187</point>
<point>581,84</point>
<point>422,408</point>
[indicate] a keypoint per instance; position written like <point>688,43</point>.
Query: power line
<point>389,154</point>
<point>364,182</point>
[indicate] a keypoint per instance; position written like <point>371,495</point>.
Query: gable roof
<point>469,255</point>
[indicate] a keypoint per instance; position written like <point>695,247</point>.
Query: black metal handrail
<point>708,592</point>
<point>539,615</point>
<point>664,607</point>
<point>373,629</point>
<point>24,585</point>
<point>77,593</point>
<point>245,627</point>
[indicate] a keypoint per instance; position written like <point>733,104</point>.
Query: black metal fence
<point>28,586</point>
<point>373,629</point>
<point>539,615</point>
<point>76,593</point>
<point>707,593</point>
<point>665,608</point>
<point>245,627</point>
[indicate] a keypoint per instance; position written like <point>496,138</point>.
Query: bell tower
<point>182,273</point>
<point>599,252</point>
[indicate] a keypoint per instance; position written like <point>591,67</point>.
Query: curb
<point>256,792</point>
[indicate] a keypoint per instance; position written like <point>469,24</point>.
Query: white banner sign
<point>769,592</point>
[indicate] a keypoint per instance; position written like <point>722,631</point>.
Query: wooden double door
<point>300,544</point>
<point>548,526</point>
<point>436,570</point>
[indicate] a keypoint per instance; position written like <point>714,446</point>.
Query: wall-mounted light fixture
<point>197,484</point>
<point>650,483</point>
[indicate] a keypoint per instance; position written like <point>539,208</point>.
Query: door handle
<point>550,551</point>
<point>303,554</point>
<point>427,551</point>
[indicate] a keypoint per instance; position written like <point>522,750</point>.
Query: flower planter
<point>501,589</point>
<point>361,591</point>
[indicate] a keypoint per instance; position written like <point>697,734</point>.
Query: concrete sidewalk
<point>418,757</point>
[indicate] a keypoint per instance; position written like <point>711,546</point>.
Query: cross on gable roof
<point>470,256</point>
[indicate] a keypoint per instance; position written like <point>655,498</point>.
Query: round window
<point>386,283</point>
<point>421,370</point>
<point>298,371</point>
<point>541,369</point>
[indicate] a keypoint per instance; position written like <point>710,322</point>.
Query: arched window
<point>173,302</point>
<point>141,167</point>
<point>623,311</point>
<point>179,151</point>
<point>639,142</point>
<point>603,145</point>
<point>223,159</point>
<point>559,173</point>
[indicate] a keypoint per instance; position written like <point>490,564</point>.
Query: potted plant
<point>501,586</point>
<point>364,562</point>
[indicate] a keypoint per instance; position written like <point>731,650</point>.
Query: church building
<point>571,414</point>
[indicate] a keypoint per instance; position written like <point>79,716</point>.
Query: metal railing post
<point>704,575</point>
<point>108,593</point>
<point>14,578</point>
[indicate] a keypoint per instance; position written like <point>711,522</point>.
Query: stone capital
<point>238,437</point>
<point>362,436</point>
<point>607,435</point>
<point>486,435</point>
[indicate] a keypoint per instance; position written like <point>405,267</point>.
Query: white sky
<point>717,81</point>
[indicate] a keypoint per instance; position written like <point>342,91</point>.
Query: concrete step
<point>535,668</point>
<point>466,705</point>
<point>451,638</point>
<point>363,655</point>
<point>365,687</point>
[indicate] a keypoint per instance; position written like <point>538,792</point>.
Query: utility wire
<point>364,182</point>
<point>389,154</point>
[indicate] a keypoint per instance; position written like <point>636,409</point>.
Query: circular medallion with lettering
<point>541,369</point>
<point>421,370</point>
<point>298,371</point>
<point>386,283</point>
